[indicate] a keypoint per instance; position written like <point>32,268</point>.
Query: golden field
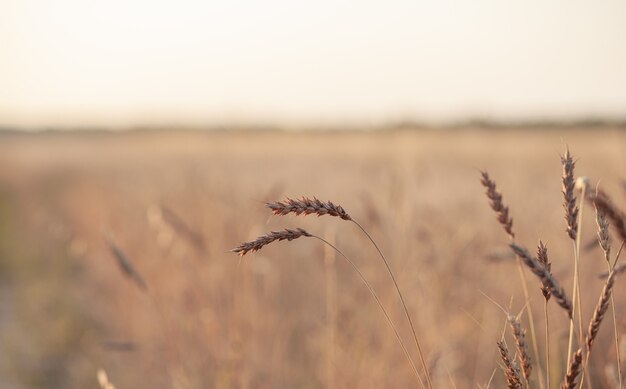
<point>293,315</point>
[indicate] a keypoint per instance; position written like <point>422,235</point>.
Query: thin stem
<point>617,353</point>
<point>331,311</point>
<point>579,234</point>
<point>577,298</point>
<point>575,305</point>
<point>545,309</point>
<point>619,358</point>
<point>577,278</point>
<point>531,320</point>
<point>570,342</point>
<point>576,287</point>
<point>406,311</point>
<point>380,305</point>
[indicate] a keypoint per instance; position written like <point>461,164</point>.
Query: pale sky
<point>71,63</point>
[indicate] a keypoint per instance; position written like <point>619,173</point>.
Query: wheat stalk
<point>571,219</point>
<point>522,348</point>
<point>308,206</point>
<point>603,202</point>
<point>605,244</point>
<point>506,221</point>
<point>291,234</point>
<point>601,308</point>
<point>511,371</point>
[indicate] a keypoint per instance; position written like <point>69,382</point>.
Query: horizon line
<point>408,124</point>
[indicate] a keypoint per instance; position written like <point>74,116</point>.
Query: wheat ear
<point>495,200</point>
<point>522,348</point>
<point>599,312</point>
<point>511,371</point>
<point>542,256</point>
<point>573,370</point>
<point>569,199</point>
<point>273,236</point>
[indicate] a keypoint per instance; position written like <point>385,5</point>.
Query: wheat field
<point>187,312</point>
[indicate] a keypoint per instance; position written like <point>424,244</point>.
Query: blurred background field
<point>291,315</point>
<point>154,131</point>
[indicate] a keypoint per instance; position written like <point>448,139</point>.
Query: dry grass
<point>550,287</point>
<point>271,320</point>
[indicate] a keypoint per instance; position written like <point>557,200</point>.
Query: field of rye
<point>116,267</point>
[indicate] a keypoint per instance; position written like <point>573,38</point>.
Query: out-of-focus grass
<point>41,326</point>
<point>209,320</point>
